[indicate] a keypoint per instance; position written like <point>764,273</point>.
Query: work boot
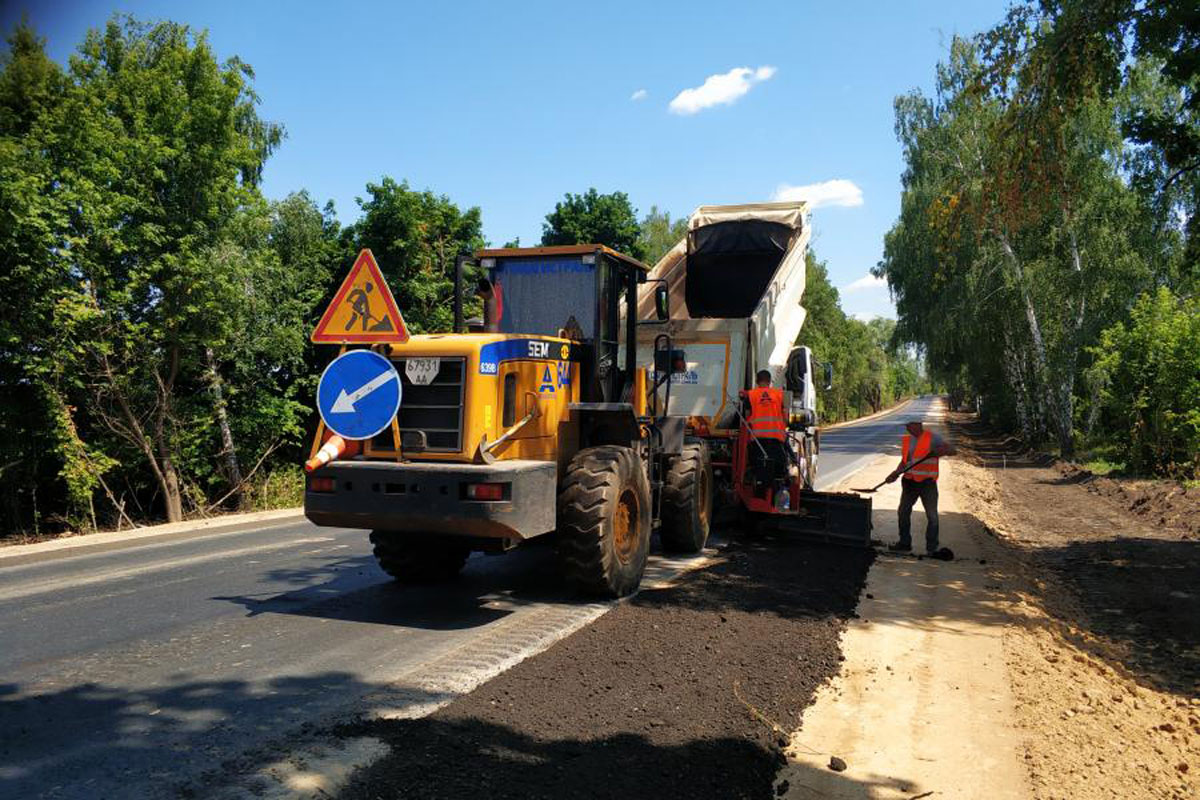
<point>899,547</point>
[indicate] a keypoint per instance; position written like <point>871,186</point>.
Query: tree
<point>594,218</point>
<point>1017,241</point>
<point>415,237</point>
<point>1073,51</point>
<point>865,363</point>
<point>159,149</point>
<point>659,233</point>
<point>1149,374</point>
<point>31,217</point>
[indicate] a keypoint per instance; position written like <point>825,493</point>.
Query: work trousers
<point>909,492</point>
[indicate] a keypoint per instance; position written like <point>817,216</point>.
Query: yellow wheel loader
<point>539,422</point>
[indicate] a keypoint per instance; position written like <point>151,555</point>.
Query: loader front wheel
<point>687,500</point>
<point>604,521</point>
<point>419,559</point>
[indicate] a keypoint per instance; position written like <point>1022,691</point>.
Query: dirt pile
<point>1167,504</point>
<point>687,690</point>
<point>1105,655</point>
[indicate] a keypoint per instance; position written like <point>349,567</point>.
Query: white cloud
<point>719,90</point>
<point>867,316</point>
<point>640,94</point>
<point>837,192</point>
<point>867,281</point>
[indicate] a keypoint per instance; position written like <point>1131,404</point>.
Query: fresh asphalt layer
<point>153,668</point>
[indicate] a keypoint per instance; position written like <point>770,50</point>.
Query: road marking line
<point>75,581</point>
<point>421,689</point>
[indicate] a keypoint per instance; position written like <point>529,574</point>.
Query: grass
<point>283,487</point>
<point>1101,459</point>
<point>1102,466</point>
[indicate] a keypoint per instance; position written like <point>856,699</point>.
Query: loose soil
<point>684,691</point>
<point>1104,655</point>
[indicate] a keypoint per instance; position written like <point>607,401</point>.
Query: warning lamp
<point>320,484</point>
<point>485,491</point>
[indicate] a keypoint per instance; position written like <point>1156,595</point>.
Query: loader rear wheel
<point>687,500</point>
<point>604,521</point>
<point>418,559</point>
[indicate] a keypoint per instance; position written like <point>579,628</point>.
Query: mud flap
<point>831,517</point>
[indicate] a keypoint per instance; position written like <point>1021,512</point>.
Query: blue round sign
<point>359,394</point>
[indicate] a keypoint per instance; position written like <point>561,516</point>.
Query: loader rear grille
<point>435,409</point>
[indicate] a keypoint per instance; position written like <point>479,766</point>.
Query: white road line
<point>75,581</point>
<point>419,690</point>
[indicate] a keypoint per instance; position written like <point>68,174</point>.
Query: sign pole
<point>396,439</point>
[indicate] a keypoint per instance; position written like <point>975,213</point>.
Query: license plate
<point>422,371</point>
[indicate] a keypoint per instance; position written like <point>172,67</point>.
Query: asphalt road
<point>161,667</point>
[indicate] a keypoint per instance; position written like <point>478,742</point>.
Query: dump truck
<point>735,284</point>
<point>543,422</point>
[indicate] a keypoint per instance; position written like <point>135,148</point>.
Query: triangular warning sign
<point>363,311</point>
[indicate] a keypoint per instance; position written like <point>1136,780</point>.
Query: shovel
<point>875,488</point>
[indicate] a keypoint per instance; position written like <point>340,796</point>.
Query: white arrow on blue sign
<point>359,394</point>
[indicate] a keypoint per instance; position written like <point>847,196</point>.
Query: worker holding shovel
<point>919,453</point>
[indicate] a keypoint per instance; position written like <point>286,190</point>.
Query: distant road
<point>150,665</point>
<point>849,448</point>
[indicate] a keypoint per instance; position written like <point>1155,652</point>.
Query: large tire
<point>415,559</point>
<point>687,500</point>
<point>604,521</point>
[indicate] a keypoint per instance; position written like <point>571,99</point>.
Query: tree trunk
<point>1066,405</point>
<point>227,448</point>
<point>1041,371</point>
<point>172,494</point>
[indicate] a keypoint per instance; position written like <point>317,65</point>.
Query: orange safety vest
<point>766,420</point>
<point>926,470</point>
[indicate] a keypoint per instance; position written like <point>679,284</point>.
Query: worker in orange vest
<point>920,481</point>
<point>767,423</point>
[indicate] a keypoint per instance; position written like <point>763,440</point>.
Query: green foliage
<point>283,487</point>
<point>1049,182</point>
<point>659,233</point>
<point>163,303</point>
<point>869,374</point>
<point>594,218</point>
<point>1150,373</point>
<point>415,237</point>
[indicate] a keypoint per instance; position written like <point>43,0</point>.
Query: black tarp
<point>730,264</point>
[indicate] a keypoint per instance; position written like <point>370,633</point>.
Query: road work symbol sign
<point>359,394</point>
<point>363,311</point>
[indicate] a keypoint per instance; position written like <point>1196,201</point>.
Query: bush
<point>283,487</point>
<point>1150,374</point>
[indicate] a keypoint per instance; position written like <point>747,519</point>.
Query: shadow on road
<point>488,590</point>
<point>94,740</point>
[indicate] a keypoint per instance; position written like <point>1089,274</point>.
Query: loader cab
<point>587,293</point>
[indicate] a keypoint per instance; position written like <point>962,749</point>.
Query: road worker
<point>920,481</point>
<point>767,423</point>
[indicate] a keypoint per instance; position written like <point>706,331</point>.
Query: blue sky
<point>509,105</point>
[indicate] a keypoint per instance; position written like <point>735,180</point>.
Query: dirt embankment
<point>1104,578</point>
<point>686,691</point>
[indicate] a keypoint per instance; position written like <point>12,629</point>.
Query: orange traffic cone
<point>334,446</point>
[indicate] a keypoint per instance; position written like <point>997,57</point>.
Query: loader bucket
<point>832,517</point>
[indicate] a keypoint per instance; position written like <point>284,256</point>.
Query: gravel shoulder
<point>922,706</point>
<point>687,690</point>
